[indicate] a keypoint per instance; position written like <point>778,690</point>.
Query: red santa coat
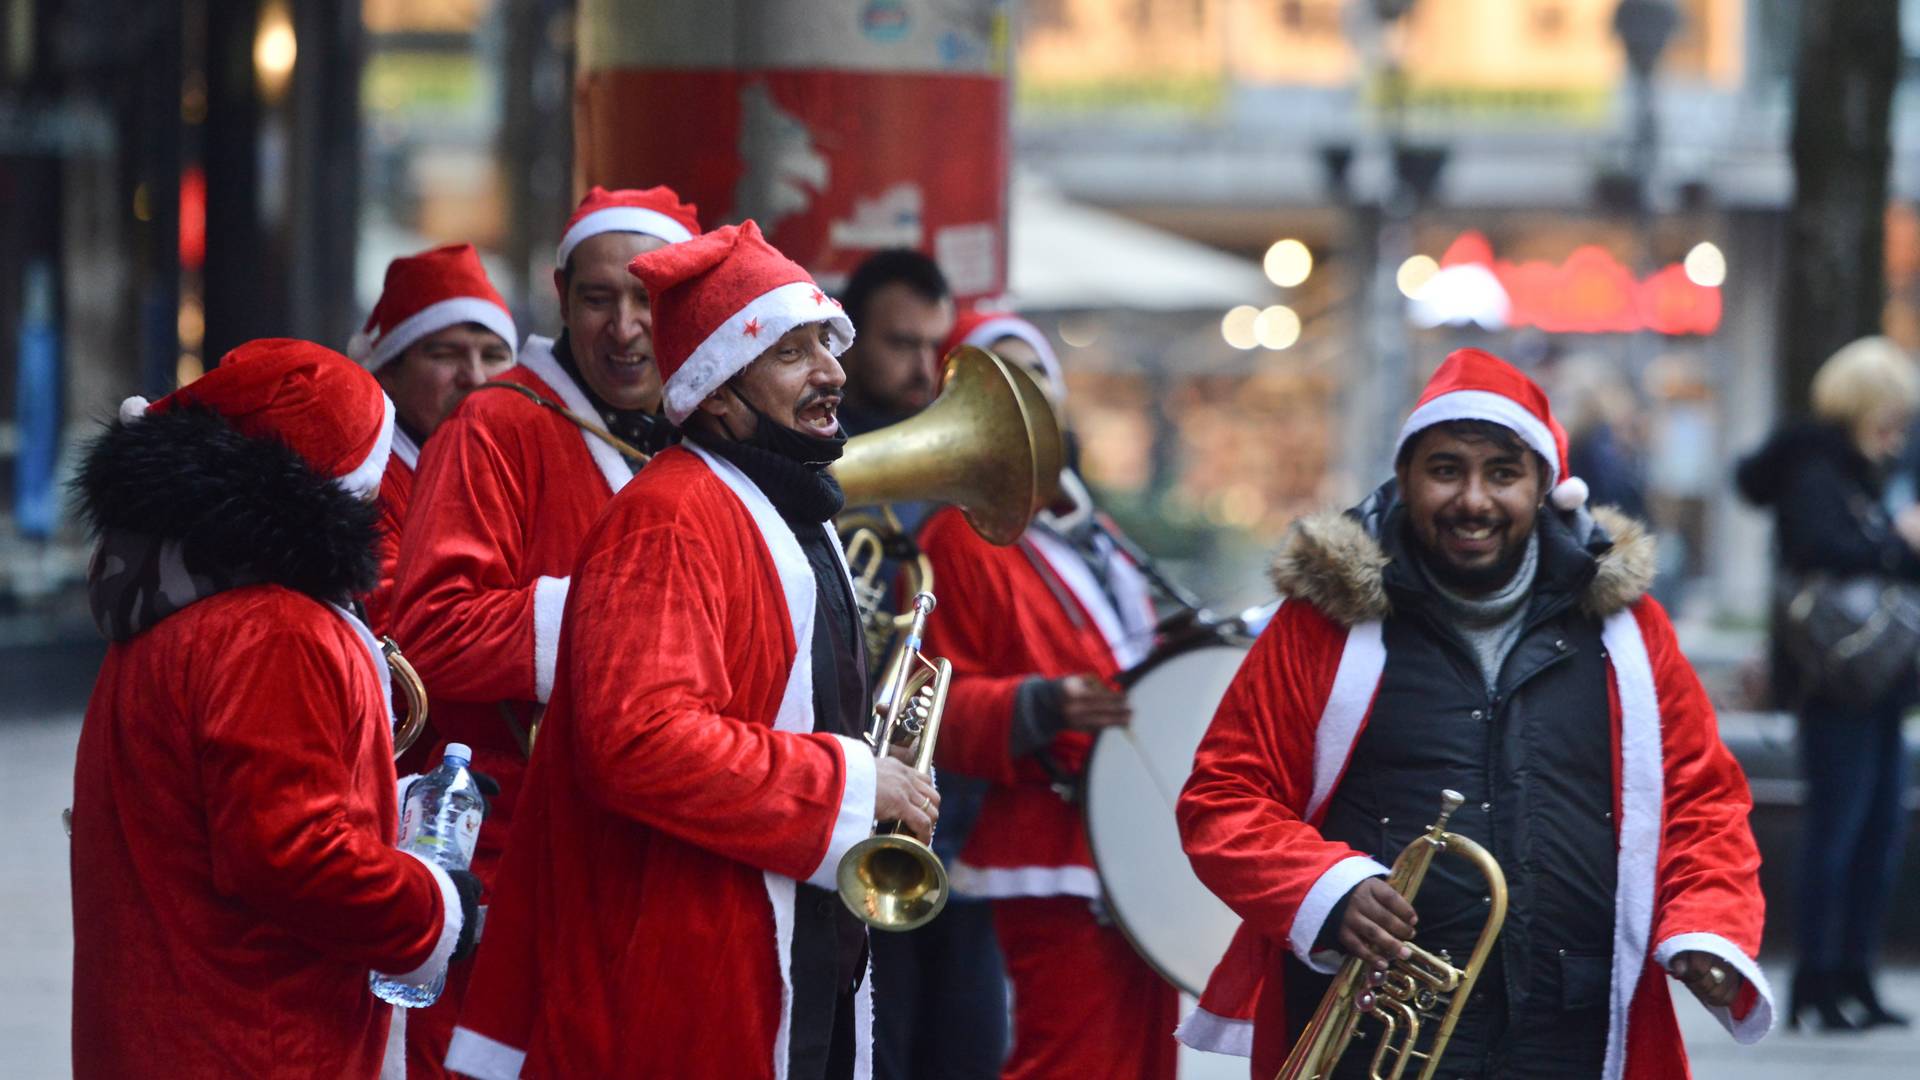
<point>644,921</point>
<point>1263,776</point>
<point>506,492</point>
<point>396,494</point>
<point>234,874</point>
<point>1032,608</point>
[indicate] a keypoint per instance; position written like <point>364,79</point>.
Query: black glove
<point>469,889</point>
<point>489,790</point>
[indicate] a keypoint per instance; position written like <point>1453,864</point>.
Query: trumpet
<point>892,880</point>
<point>406,732</point>
<point>1414,991</point>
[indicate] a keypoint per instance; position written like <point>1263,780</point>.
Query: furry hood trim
<point>246,507</point>
<point>1332,561</point>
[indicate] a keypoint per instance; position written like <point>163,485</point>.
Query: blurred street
<point>40,714</point>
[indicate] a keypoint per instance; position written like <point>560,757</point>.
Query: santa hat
<point>656,211</point>
<point>425,294</point>
<point>983,328</point>
<point>332,413</point>
<point>719,301</point>
<point>1475,385</point>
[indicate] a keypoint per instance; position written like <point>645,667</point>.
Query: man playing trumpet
<point>1471,626</point>
<point>666,904</point>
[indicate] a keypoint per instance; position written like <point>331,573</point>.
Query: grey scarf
<point>1491,624</point>
<point>137,579</point>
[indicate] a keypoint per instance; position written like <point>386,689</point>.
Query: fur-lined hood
<point>238,507</point>
<point>1336,562</point>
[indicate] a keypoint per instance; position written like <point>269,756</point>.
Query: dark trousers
<point>940,998</point>
<point>1855,767</point>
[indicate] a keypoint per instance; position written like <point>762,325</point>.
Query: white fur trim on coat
<point>1642,794</point>
<point>1004,882</point>
<point>1354,682</point>
<point>473,1054</point>
<point>751,331</point>
<point>1336,882</point>
<point>1213,1034</point>
<point>855,822</point>
<point>537,357</point>
<point>1759,1019</point>
<point>364,481</point>
<point>452,918</point>
<point>380,348</point>
<point>549,603</point>
<point>1129,635</point>
<point>1492,407</point>
<point>405,448</point>
<point>633,219</point>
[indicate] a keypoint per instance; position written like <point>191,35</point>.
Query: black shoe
<point>1815,990</point>
<point>1858,985</point>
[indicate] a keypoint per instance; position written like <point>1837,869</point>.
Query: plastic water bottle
<point>440,822</point>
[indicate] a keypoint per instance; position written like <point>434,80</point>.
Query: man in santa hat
<point>668,904</point>
<point>1472,627</point>
<point>234,874</point>
<point>1036,634</point>
<point>505,493</point>
<point>439,330</point>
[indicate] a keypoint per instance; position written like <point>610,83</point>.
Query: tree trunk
<point>1834,284</point>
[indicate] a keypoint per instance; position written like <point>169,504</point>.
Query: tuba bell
<point>1423,989</point>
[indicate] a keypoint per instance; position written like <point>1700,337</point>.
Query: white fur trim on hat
<point>731,347</point>
<point>633,219</point>
<point>1013,326</point>
<point>133,408</point>
<point>1489,406</point>
<point>374,351</point>
<point>364,480</point>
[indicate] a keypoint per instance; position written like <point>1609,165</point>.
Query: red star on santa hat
<point>752,328</point>
<point>819,297</point>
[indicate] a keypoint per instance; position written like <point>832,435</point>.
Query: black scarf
<point>638,428</point>
<point>801,493</point>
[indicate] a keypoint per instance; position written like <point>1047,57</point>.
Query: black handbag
<point>1851,639</point>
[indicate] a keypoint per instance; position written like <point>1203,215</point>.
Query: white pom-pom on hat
<point>1570,494</point>
<point>133,409</point>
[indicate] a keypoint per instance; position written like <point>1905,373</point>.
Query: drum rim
<point>1144,669</point>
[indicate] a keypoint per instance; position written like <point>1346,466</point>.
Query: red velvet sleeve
<point>977,727</point>
<point>651,678</point>
<point>1242,811</point>
<point>379,602</point>
<point>462,614</point>
<point>281,725</point>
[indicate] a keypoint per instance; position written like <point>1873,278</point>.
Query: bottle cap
<point>460,750</point>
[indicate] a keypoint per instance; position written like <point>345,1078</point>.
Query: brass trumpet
<point>892,880</point>
<point>1415,990</point>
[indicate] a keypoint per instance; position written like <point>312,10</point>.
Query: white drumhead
<point>1133,780</point>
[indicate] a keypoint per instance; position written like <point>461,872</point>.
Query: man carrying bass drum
<point>1472,627</point>
<point>1036,636</point>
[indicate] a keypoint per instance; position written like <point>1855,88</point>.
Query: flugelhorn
<point>1424,989</point>
<point>892,880</point>
<point>406,732</point>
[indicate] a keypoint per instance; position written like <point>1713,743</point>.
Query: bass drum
<point>1132,782</point>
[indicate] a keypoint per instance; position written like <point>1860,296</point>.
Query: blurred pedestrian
<point>439,330</point>
<point>1605,443</point>
<point>900,303</point>
<point>1823,481</point>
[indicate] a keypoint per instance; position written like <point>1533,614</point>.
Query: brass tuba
<point>405,732</point>
<point>892,880</point>
<point>1414,991</point>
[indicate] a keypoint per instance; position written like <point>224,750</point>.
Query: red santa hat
<point>1475,385</point>
<point>655,211</point>
<point>983,328</point>
<point>719,301</point>
<point>332,413</point>
<point>425,294</point>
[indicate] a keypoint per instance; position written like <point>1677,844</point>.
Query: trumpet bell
<point>989,444</point>
<point>891,881</point>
